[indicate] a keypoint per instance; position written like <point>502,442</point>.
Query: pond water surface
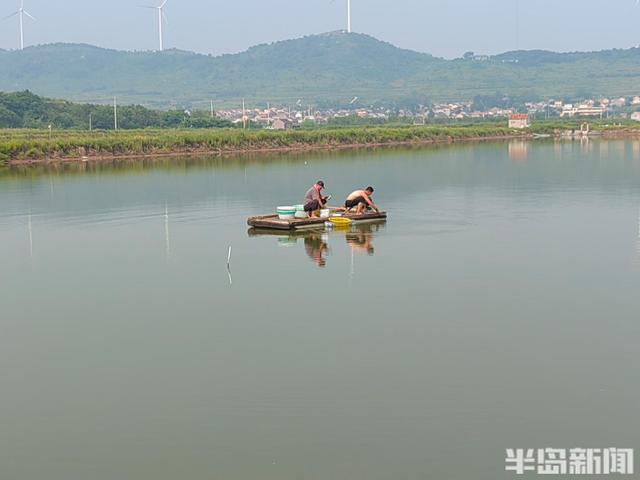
<point>498,307</point>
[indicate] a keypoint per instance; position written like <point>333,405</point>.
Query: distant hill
<point>320,69</point>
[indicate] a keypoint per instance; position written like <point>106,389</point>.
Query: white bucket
<point>286,213</point>
<point>325,213</point>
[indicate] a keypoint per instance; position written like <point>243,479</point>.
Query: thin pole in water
<point>229,258</point>
<point>167,238</point>
<point>30,235</point>
<point>352,271</point>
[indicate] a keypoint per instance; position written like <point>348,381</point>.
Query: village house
<point>583,110</point>
<point>619,102</point>
<point>519,120</point>
<point>278,124</point>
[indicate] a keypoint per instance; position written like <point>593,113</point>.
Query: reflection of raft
<point>368,228</point>
<point>274,223</point>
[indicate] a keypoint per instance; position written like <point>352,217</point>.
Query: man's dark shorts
<point>312,206</point>
<point>355,202</point>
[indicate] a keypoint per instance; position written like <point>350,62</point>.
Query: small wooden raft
<point>274,222</point>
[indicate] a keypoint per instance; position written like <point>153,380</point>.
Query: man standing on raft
<point>362,200</point>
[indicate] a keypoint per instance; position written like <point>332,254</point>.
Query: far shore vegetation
<point>38,144</point>
<point>43,129</point>
<point>33,144</point>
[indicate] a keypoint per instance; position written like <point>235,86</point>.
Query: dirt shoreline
<point>194,152</point>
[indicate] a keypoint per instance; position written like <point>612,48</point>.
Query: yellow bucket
<point>340,221</point>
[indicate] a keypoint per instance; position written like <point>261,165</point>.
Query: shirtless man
<point>361,199</point>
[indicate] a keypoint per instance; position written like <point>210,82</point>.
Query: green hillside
<point>26,110</point>
<point>327,69</point>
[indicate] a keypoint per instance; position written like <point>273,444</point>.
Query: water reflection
<point>519,150</point>
<point>358,237</point>
<point>360,240</point>
<point>638,242</point>
<point>316,245</point>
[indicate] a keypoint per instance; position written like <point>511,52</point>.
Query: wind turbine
<point>349,16</point>
<point>637,46</point>
<point>161,18</point>
<point>21,13</point>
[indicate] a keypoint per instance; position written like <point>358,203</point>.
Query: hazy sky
<point>445,28</point>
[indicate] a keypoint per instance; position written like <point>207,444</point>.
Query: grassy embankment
<point>36,144</point>
<point>73,144</point>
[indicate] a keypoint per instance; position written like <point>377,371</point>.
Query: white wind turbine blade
<point>163,4</point>
<point>12,15</point>
<point>29,15</point>
<point>164,17</point>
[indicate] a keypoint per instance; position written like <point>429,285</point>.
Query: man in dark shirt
<point>313,199</point>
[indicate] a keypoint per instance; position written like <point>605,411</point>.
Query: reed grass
<point>37,144</point>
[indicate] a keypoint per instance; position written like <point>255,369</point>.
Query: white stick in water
<point>229,257</point>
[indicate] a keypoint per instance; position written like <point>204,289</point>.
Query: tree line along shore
<point>19,146</point>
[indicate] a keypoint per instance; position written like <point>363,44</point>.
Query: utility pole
<point>212,112</point>
<point>90,123</point>
<point>115,114</point>
<point>244,117</point>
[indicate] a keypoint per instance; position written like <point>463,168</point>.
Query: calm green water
<point>497,308</point>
